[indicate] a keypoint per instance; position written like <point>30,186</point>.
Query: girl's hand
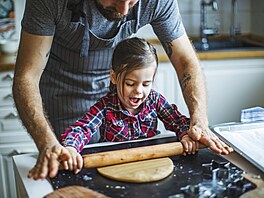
<point>75,162</point>
<point>189,145</point>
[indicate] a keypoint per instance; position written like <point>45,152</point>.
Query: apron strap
<point>78,10</point>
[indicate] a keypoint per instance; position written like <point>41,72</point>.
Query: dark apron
<point>72,81</point>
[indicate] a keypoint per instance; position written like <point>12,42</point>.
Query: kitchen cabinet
<point>14,139</point>
<point>166,83</point>
<point>232,85</point>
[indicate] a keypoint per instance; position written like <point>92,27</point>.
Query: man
<point>64,60</point>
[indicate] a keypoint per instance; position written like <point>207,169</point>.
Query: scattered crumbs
<point>157,184</point>
<point>174,175</point>
<point>120,187</point>
<point>63,174</point>
<point>181,167</point>
<point>116,187</point>
<point>87,178</point>
<point>176,196</point>
<point>221,183</point>
<point>256,177</point>
<point>190,171</point>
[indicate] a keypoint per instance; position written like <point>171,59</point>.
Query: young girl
<point>131,109</point>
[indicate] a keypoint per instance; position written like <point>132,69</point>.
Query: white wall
<point>19,10</point>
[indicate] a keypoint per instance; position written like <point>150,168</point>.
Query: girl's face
<point>137,86</point>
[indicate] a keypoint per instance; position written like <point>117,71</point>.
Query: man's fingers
<point>208,141</point>
<point>195,133</point>
<point>43,169</point>
<point>53,165</point>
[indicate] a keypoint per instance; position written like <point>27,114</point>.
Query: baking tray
<point>189,171</point>
<point>246,138</point>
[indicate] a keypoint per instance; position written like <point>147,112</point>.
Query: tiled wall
<point>250,17</point>
<point>257,17</point>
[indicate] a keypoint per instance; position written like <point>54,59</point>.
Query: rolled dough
<point>139,172</point>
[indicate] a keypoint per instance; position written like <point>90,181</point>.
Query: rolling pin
<point>133,154</point>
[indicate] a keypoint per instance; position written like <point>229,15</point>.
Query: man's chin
<point>110,14</point>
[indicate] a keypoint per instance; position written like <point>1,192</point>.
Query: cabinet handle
<point>14,152</point>
<point>8,96</point>
<point>8,77</point>
<point>11,116</point>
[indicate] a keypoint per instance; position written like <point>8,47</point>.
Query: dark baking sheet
<point>188,171</point>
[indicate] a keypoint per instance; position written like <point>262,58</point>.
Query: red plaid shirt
<point>117,124</point>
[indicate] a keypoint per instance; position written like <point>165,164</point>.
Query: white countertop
<point>29,187</point>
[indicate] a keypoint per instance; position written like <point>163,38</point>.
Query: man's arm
<point>32,57</point>
<point>191,78</point>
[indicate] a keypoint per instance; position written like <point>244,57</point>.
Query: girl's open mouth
<point>134,101</point>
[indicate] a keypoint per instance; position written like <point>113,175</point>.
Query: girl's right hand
<point>189,145</point>
<point>75,162</point>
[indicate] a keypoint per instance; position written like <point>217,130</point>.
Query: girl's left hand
<point>189,145</point>
<point>75,162</point>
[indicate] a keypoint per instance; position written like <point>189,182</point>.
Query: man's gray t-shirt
<point>77,72</point>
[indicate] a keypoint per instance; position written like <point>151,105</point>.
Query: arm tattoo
<point>185,80</point>
<point>168,48</point>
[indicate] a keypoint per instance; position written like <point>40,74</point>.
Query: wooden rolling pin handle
<point>133,154</point>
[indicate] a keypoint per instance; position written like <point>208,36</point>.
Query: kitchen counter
<point>7,62</point>
<point>220,54</point>
<point>31,188</point>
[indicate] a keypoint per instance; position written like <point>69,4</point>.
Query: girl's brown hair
<point>132,54</point>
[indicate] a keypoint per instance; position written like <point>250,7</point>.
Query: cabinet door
<point>7,179</point>
<point>233,85</point>
<point>166,83</point>
<point>3,188</point>
<point>6,79</point>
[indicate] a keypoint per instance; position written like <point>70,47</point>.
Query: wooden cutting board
<point>75,191</point>
<point>139,172</point>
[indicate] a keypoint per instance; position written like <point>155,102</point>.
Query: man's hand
<point>48,161</point>
<point>208,138</point>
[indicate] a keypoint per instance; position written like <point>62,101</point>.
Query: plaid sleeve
<point>172,119</point>
<point>80,133</point>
